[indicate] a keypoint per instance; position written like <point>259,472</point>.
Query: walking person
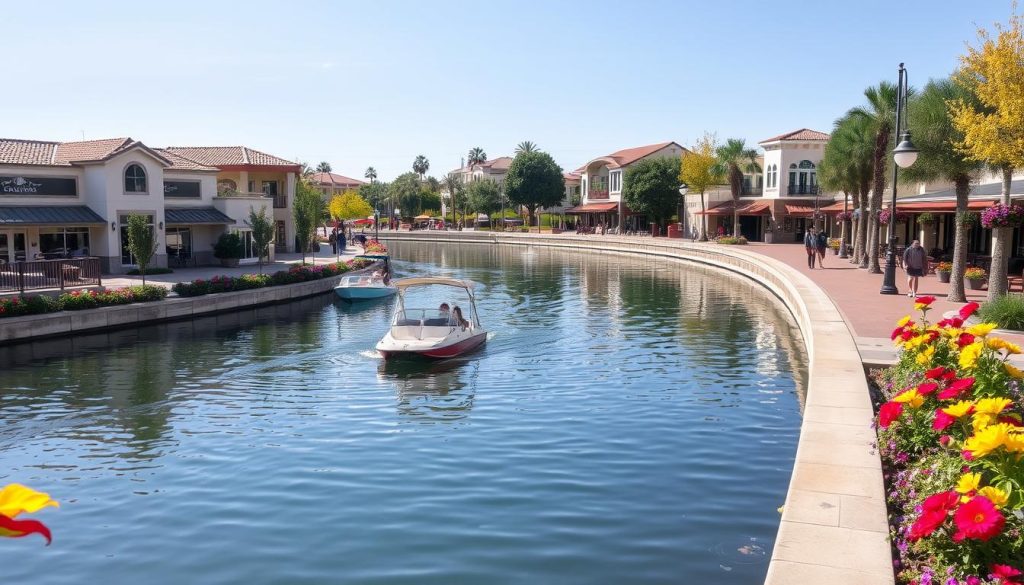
<point>915,262</point>
<point>810,246</point>
<point>342,242</point>
<point>333,239</point>
<point>822,245</point>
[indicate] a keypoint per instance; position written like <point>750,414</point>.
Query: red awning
<point>754,208</point>
<point>807,210</point>
<point>593,208</point>
<point>941,206</point>
<point>836,207</point>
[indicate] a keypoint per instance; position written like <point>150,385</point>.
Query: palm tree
<point>476,156</point>
<point>734,159</point>
<point>371,173</point>
<point>420,166</point>
<point>526,146</point>
<point>880,112</point>
<point>453,185</point>
<point>848,164</point>
<point>941,159</point>
<point>323,167</point>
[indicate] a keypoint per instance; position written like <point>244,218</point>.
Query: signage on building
<point>181,188</point>
<point>38,186</point>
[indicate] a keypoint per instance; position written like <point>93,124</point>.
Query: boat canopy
<point>405,283</point>
<point>372,256</point>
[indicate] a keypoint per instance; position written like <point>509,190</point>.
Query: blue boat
<point>370,284</point>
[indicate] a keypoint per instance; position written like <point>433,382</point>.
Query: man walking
<point>915,262</point>
<point>810,246</point>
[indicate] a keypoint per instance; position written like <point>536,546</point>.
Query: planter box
<point>976,284</point>
<point>944,276</point>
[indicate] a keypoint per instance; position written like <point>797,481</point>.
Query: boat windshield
<point>361,280</point>
<point>425,318</point>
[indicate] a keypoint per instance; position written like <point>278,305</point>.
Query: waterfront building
<point>495,169</point>
<point>331,184</point>
<point>66,199</point>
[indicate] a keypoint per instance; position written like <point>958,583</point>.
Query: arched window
<point>775,176</point>
<point>135,179</point>
<point>803,178</point>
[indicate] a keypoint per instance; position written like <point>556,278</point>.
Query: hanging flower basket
<point>968,219</point>
<point>926,218</point>
<point>844,216</point>
<point>885,215</point>
<point>1000,215</point>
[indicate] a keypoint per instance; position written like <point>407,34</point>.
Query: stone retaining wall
<point>834,528</point>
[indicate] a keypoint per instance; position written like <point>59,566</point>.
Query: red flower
<point>944,440</point>
<point>956,388</point>
<point>942,420</point>
<point>944,501</point>
<point>927,388</point>
<point>965,339</point>
<point>927,523</point>
<point>889,412</point>
<point>935,373</point>
<point>1011,419</point>
<point>924,300</point>
<point>955,322</point>
<point>1005,574</point>
<point>907,334</point>
<point>978,519</point>
<point>896,333</point>
<point>968,309</point>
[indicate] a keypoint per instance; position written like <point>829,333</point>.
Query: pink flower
<point>978,519</point>
<point>889,412</point>
<point>1005,574</point>
<point>942,420</point>
<point>968,309</point>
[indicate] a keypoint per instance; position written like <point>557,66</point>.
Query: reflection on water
<point>629,421</point>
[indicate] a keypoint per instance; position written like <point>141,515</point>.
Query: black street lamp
<point>905,154</point>
<point>683,190</point>
<point>376,224</point>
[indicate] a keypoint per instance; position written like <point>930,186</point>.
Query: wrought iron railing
<point>594,194</point>
<point>50,274</point>
<point>752,191</point>
<point>802,190</point>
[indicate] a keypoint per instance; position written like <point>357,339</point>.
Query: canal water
<point>630,420</point>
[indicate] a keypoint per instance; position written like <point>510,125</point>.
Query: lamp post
<point>683,190</point>
<point>376,224</point>
<point>905,154</point>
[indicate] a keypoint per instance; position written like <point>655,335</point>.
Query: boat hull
<point>465,345</point>
<point>364,293</point>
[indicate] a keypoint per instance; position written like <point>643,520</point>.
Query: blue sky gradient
<point>377,83</point>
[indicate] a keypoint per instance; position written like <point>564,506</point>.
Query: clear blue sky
<point>378,82</point>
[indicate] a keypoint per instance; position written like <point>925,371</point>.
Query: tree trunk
<point>874,236</point>
<point>1000,242</point>
<point>736,186</point>
<point>843,228</point>
<point>703,220</point>
<point>877,191</point>
<point>861,245</point>
<point>956,279</point>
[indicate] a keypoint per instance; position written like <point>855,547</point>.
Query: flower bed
<point>80,299</point>
<point>375,247</point>
<point>975,273</point>
<point>732,240</point>
<point>295,274</point>
<point>952,442</point>
<point>1000,215</point>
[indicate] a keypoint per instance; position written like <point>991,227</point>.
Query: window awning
<point>49,215</point>
<point>800,210</point>
<point>196,215</point>
<point>837,207</point>
<point>754,208</point>
<point>594,208</point>
<point>941,206</point>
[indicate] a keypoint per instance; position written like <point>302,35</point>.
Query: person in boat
<point>444,312</point>
<point>376,277</point>
<point>458,318</point>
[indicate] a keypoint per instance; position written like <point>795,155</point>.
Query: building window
<point>179,243</point>
<point>803,178</point>
<point>135,179</point>
<point>248,245</point>
<point>63,242</point>
<point>615,178</point>
<point>280,239</point>
<point>126,256</point>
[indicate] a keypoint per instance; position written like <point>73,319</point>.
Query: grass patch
<point>1007,311</point>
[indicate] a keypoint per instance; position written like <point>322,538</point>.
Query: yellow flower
<point>992,405</point>
<point>981,420</point>
<point>952,332</point>
<point>16,498</point>
<point>902,322</point>
<point>958,409</point>
<point>988,439</point>
<point>969,356</point>
<point>997,343</point>
<point>968,483</point>
<point>1013,372</point>
<point>981,329</point>
<point>1015,442</point>
<point>925,357</point>
<point>996,495</point>
<point>911,398</point>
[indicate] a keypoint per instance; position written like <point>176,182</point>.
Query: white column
<point>243,181</point>
<point>289,189</point>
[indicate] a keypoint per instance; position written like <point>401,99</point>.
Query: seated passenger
<point>457,317</point>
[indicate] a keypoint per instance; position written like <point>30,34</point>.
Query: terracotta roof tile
<point>801,134</point>
<point>627,156</point>
<point>228,155</point>
<point>179,162</point>
<point>336,179</point>
<point>26,152</point>
<point>89,150</point>
<point>502,163</point>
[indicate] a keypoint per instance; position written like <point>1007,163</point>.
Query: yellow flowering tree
<point>349,205</point>
<point>993,127</point>
<point>697,171</point>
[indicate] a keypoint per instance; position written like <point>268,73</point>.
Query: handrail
<point>50,274</point>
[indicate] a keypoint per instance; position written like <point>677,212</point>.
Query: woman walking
<point>822,245</point>
<point>810,243</point>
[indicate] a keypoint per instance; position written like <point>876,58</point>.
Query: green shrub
<point>1007,311</point>
<point>149,271</point>
<point>732,240</point>
<point>35,305</point>
<point>229,246</point>
<point>78,300</point>
<point>295,274</point>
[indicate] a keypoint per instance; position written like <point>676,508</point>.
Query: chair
<point>1015,274</point>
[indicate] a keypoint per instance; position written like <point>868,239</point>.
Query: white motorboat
<point>373,283</point>
<point>444,332</point>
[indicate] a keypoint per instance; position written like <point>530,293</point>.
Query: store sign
<point>38,186</point>
<point>181,188</point>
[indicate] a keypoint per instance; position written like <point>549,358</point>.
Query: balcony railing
<point>594,194</point>
<point>802,190</point>
<point>280,201</point>
<point>43,274</point>
<point>752,191</point>
<point>233,193</point>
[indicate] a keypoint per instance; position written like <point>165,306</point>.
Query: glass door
<point>12,246</point>
<point>5,248</point>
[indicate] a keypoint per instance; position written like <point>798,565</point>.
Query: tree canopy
<point>323,167</point>
<point>476,156</point>
<point>697,168</point>
<point>420,166</point>
<point>483,196</point>
<point>307,209</point>
<point>534,180</point>
<point>142,242</point>
<point>349,205</point>
<point>404,192</point>
<point>370,174</point>
<point>374,193</point>
<point>651,187</point>
<point>262,226</point>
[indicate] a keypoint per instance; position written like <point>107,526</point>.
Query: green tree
<point>534,180</point>
<point>847,165</point>
<point>526,146</point>
<point>349,205</point>
<point>262,226</point>
<point>404,193</point>
<point>374,193</point>
<point>420,166</point>
<point>734,159</point>
<point>323,167</point>
<point>429,201</point>
<point>880,114</point>
<point>307,209</point>
<point>941,158</point>
<point>697,170</point>
<point>371,174</point>
<point>476,156</point>
<point>142,242</point>
<point>651,187</point>
<point>453,187</point>
<point>483,196</point>
<point>432,184</point>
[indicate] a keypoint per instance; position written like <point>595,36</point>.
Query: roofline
<point>294,168</point>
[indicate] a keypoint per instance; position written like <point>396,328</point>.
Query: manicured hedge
<point>150,271</point>
<point>303,273</point>
<point>79,299</point>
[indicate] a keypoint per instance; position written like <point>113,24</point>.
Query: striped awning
<point>800,210</point>
<point>48,215</point>
<point>593,208</point>
<point>754,208</point>
<point>196,215</point>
